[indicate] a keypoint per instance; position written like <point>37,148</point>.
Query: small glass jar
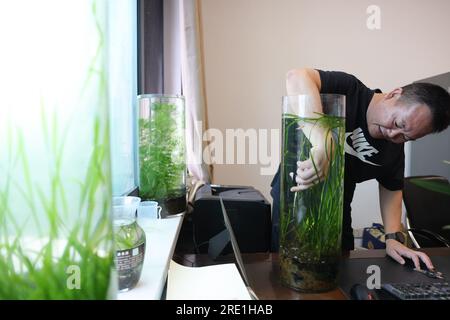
<point>129,240</point>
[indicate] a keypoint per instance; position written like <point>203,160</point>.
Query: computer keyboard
<point>419,291</point>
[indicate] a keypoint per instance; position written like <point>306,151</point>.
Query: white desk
<point>162,237</point>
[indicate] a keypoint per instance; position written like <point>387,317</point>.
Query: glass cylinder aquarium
<point>56,233</point>
<point>129,240</point>
<point>311,218</point>
<point>162,151</point>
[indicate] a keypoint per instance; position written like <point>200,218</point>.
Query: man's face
<point>399,121</point>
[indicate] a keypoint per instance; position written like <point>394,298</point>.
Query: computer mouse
<point>361,292</point>
<point>409,263</point>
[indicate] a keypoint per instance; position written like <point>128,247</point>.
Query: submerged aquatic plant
<point>128,236</point>
<point>162,163</point>
<point>317,211</point>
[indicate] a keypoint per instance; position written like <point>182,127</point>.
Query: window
<point>122,42</point>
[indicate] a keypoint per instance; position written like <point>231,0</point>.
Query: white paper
<point>218,282</point>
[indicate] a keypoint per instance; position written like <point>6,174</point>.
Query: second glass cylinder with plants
<point>311,218</point>
<point>162,151</point>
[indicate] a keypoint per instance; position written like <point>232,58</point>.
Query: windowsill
<point>161,236</point>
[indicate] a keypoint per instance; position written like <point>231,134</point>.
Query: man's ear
<point>396,93</point>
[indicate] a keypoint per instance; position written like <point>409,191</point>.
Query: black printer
<point>248,211</point>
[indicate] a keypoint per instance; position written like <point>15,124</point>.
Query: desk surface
<point>263,272</point>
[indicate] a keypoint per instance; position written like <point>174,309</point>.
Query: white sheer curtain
<point>183,74</point>
<point>194,90</point>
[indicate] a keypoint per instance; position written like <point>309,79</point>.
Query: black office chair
<point>427,210</point>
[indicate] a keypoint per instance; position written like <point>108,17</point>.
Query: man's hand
<point>397,251</point>
<point>311,172</point>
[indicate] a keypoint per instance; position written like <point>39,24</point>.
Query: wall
<point>249,45</point>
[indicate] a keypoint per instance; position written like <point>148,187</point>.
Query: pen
<point>431,274</point>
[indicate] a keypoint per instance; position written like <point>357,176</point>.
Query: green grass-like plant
<point>436,186</point>
<point>42,274</point>
<point>311,220</point>
<point>433,185</point>
<point>162,153</point>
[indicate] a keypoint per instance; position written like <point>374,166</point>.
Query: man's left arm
<point>391,213</point>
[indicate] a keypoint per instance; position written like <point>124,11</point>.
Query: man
<point>384,121</point>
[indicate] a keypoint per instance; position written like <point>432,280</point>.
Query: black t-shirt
<point>365,158</point>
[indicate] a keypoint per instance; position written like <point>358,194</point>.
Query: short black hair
<point>435,97</point>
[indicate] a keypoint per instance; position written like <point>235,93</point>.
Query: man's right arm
<point>303,81</point>
<point>307,82</point>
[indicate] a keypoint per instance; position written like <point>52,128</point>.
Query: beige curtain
<point>192,73</point>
